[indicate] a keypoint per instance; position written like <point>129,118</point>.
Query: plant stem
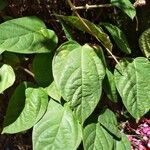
<point>27,71</point>
<point>87,6</point>
<point>75,11</point>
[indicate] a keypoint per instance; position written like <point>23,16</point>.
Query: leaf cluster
<point>68,82</point>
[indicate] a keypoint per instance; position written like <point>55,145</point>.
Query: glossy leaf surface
<point>126,6</point>
<point>123,144</point>
<point>78,74</point>
<point>29,36</point>
<point>133,83</point>
<point>119,37</point>
<point>89,27</point>
<point>95,137</point>
<point>35,106</point>
<point>108,120</point>
<point>7,77</point>
<point>57,130</point>
<point>144,43</point>
<point>53,91</point>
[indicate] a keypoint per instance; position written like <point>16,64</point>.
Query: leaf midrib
<point>25,34</point>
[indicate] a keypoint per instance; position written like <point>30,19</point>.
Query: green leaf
<point>57,130</point>
<point>53,92</point>
<point>123,144</point>
<point>144,43</point>
<point>109,121</point>
<point>17,101</point>
<point>109,86</point>
<point>67,30</point>
<point>7,77</point>
<point>42,65</point>
<point>11,59</point>
<point>89,27</point>
<point>118,37</point>
<point>133,83</point>
<point>3,4</point>
<point>34,108</point>
<point>126,6</point>
<point>78,73</point>
<point>95,137</point>
<point>29,36</point>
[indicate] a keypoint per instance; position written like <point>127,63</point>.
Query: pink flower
<point>141,147</point>
<point>148,144</point>
<point>130,137</point>
<point>140,138</point>
<point>148,133</point>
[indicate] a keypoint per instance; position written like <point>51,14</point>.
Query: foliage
<point>63,101</point>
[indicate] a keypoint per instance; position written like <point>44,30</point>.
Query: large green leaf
<point>144,42</point>
<point>126,6</point>
<point>26,35</point>
<point>95,137</point>
<point>133,83</point>
<point>42,68</point>
<point>109,121</point>
<point>118,37</point>
<point>78,74</point>
<point>89,27</point>
<point>16,103</point>
<point>53,91</point>
<point>34,108</point>
<point>7,77</point>
<point>123,144</point>
<point>57,130</point>
<point>67,30</point>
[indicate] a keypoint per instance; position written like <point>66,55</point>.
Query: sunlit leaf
<point>7,77</point>
<point>35,106</point>
<point>26,35</point>
<point>123,144</point>
<point>53,91</point>
<point>78,74</point>
<point>16,101</point>
<point>119,37</point>
<point>95,137</point>
<point>144,42</point>
<point>126,6</point>
<point>57,130</point>
<point>133,83</point>
<point>108,120</point>
<point>89,27</point>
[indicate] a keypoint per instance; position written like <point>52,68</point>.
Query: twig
<point>87,6</point>
<point>113,58</point>
<point>87,27</point>
<point>27,71</point>
<point>76,13</point>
